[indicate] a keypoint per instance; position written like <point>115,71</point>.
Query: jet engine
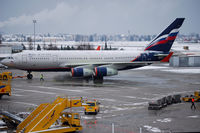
<point>105,71</point>
<point>81,72</point>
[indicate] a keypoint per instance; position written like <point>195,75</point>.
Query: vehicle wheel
<point>190,100</point>
<point>29,76</point>
<point>5,77</point>
<point>95,112</point>
<point>86,113</point>
<point>66,123</point>
<point>1,96</point>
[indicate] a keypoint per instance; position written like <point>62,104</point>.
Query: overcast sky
<point>97,16</point>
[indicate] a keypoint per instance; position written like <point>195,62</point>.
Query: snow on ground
<point>141,45</point>
<point>184,70</point>
<point>107,99</point>
<point>3,132</point>
<point>193,70</point>
<point>1,122</point>
<point>152,129</point>
<point>136,104</point>
<point>164,120</point>
<point>89,117</point>
<point>151,67</point>
<point>126,45</point>
<point>194,116</point>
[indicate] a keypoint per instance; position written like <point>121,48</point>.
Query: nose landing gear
<point>29,75</point>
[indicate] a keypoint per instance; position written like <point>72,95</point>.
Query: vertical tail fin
<point>163,42</point>
<point>98,48</point>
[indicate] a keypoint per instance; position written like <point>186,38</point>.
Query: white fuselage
<point>36,60</point>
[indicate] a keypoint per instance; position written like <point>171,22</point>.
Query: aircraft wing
<point>116,65</point>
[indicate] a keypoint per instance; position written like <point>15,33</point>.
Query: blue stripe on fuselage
<point>149,57</point>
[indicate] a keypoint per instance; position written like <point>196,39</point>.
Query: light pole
<point>34,21</point>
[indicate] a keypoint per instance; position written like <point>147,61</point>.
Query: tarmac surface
<point>124,98</point>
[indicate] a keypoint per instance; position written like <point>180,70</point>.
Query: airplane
<point>97,64</point>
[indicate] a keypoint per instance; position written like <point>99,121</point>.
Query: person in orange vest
<point>193,105</point>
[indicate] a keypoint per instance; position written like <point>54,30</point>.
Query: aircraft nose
<point>5,62</point>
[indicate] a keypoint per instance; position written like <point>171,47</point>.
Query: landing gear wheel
<point>29,76</point>
<point>98,80</point>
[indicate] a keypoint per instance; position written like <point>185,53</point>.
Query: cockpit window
<point>9,58</point>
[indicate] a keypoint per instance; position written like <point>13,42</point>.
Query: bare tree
<point>0,38</point>
<point>38,47</point>
<point>24,47</point>
<point>30,44</point>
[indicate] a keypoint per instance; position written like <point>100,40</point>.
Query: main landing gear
<point>98,80</point>
<point>29,75</point>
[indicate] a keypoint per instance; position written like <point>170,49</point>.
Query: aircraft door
<point>24,59</point>
<point>55,58</point>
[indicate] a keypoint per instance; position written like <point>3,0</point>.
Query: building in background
<point>185,61</point>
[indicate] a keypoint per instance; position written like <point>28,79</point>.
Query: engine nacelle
<point>81,72</point>
<point>105,71</point>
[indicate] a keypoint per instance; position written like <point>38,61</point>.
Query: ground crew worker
<point>193,104</point>
<point>41,77</point>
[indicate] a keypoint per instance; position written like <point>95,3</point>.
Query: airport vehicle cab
<point>5,85</point>
<point>5,75</point>
<point>5,88</point>
<point>73,119</point>
<point>92,107</point>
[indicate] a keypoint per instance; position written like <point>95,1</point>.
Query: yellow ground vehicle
<point>196,97</point>
<point>5,75</point>
<point>68,119</point>
<point>92,107</point>
<point>45,115</point>
<point>5,88</point>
